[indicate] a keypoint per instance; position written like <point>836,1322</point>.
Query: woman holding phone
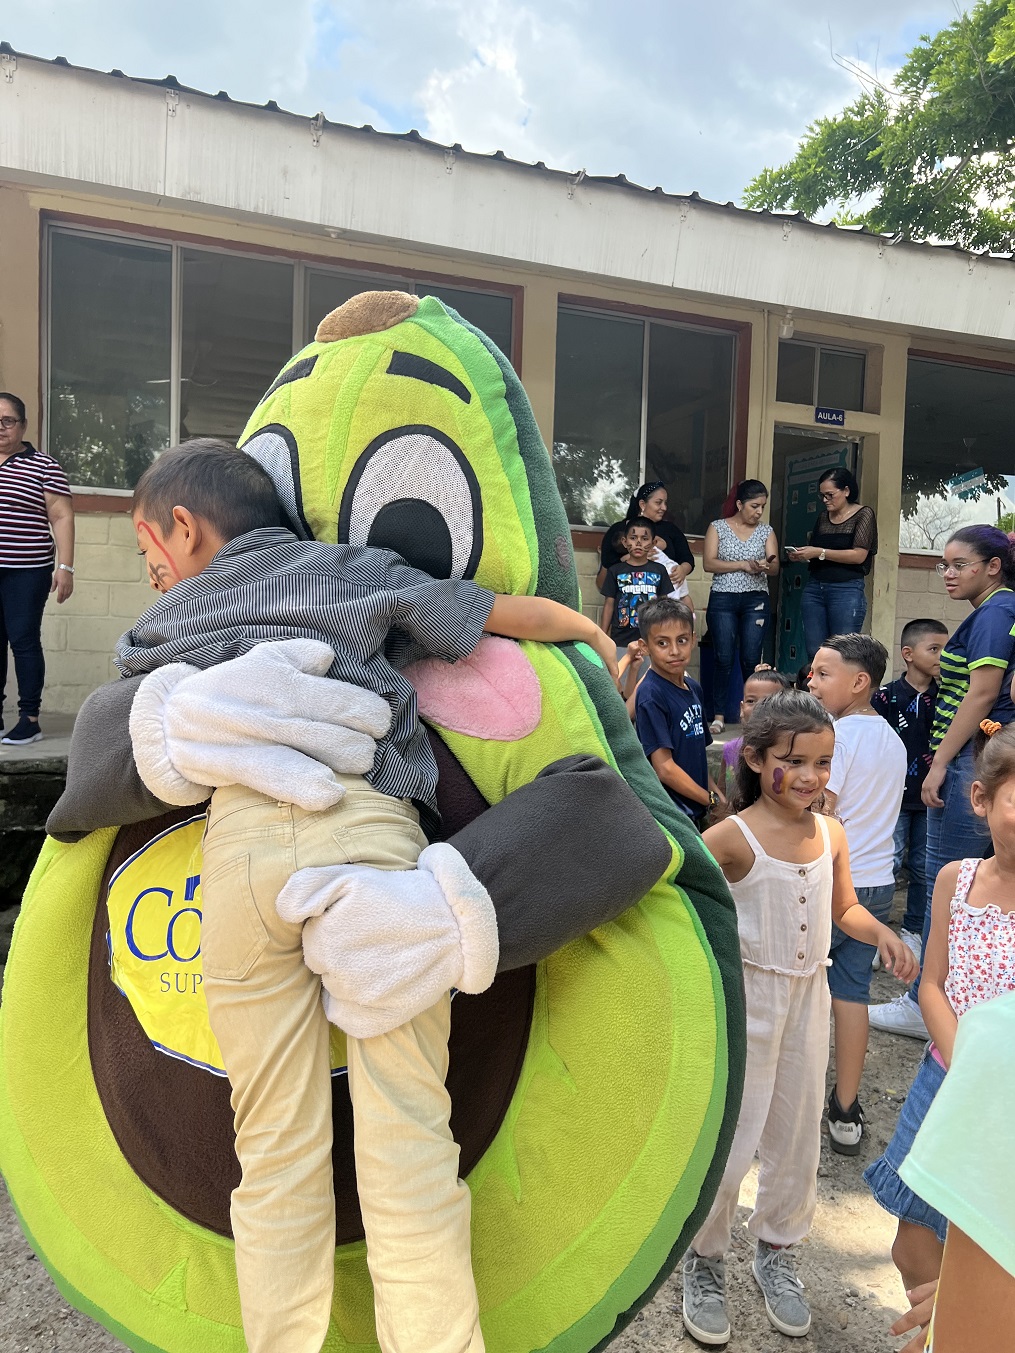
<point>839,556</point>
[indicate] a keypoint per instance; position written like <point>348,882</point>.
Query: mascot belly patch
<point>594,1093</point>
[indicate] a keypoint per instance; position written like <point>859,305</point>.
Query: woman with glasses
<point>839,557</point>
<point>35,508</point>
<point>978,567</point>
<point>650,501</point>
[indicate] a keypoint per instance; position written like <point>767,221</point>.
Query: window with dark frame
<point>639,399</point>
<point>116,305</point>
<point>958,457</point>
<point>821,376</point>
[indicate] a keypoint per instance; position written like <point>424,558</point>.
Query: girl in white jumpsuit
<point>788,871</point>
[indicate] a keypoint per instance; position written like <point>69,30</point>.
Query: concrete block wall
<point>920,594</point>
<point>110,592</point>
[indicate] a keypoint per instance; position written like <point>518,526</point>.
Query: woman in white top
<point>742,552</point>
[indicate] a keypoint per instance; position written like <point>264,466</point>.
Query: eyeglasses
<point>942,568</point>
<point>7,422</point>
<point>827,497</point>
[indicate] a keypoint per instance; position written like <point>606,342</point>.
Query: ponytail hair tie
<point>989,727</point>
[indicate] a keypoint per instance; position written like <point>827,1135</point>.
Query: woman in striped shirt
<point>35,507</point>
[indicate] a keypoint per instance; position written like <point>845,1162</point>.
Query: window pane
<point>795,380</point>
<point>690,403</point>
<point>237,331</point>
<point>958,421</point>
<point>326,291</point>
<point>840,379</point>
<point>597,415</point>
<point>489,312</point>
<point>109,345</point>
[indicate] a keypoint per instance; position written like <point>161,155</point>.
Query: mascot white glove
<point>389,943</point>
<point>265,720</point>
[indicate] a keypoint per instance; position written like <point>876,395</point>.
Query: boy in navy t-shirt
<point>669,713</point>
<point>631,583</point>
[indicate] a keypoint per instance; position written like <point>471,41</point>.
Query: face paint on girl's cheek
<point>777,775</point>
<point>161,575</point>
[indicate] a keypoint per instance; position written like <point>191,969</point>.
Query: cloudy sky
<point>690,96</point>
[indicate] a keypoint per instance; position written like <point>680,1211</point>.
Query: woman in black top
<point>649,501</point>
<point>839,557</point>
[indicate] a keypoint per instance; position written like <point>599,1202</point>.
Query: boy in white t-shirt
<point>864,792</point>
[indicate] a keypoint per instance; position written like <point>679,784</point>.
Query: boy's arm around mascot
<point>546,855</point>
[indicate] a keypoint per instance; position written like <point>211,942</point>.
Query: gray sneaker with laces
<point>775,1273</point>
<point>705,1299</point>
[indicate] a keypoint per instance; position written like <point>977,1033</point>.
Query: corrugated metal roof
<point>580,175</point>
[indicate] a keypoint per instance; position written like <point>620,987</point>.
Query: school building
<point>163,251</point>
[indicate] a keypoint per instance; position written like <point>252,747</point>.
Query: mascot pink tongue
<point>495,693</point>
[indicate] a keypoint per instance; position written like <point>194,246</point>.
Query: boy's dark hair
<point>784,712</point>
<point>915,630</point>
<point>860,650</point>
<point>771,677</point>
<point>650,526</point>
<point>213,480</point>
<point>660,611</point>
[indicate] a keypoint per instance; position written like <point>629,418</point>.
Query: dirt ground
<point>854,1290</point>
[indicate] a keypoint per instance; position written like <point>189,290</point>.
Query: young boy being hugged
<point>865,793</point>
<point>669,709</point>
<point>637,579</point>
<point>908,705</point>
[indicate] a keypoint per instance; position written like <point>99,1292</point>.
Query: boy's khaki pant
<point>266,1012</point>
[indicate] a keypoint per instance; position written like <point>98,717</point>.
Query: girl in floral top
<point>970,959</point>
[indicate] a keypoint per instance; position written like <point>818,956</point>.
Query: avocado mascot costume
<point>595,1085</point>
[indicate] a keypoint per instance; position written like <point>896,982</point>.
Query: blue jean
<point>954,832</point>
<point>832,608</point>
<point>911,841</point>
<point>883,1177</point>
<point>849,977</point>
<point>736,620</point>
<point>23,593</point>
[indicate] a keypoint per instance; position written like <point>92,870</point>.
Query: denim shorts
<point>849,977</point>
<point>882,1176</point>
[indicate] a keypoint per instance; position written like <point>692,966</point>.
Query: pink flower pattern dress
<point>981,947</point>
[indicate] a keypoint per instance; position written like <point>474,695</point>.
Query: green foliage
<point>933,157</point>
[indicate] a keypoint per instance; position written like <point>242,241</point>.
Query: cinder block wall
<point>110,592</point>
<point>921,595</point>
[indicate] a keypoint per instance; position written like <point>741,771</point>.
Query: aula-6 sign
<point>832,418</point>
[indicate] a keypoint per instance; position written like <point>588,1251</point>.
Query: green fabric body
<point>618,1131</point>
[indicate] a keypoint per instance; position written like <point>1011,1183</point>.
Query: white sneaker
<point>912,941</point>
<point>901,1016</point>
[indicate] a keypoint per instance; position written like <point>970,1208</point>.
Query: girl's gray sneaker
<point>705,1299</point>
<point>775,1273</point>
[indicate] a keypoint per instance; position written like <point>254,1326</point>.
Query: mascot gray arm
<point>501,893</point>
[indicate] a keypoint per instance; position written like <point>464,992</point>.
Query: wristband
<point>67,568</point>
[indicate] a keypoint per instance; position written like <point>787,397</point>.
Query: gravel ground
<point>854,1290</point>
